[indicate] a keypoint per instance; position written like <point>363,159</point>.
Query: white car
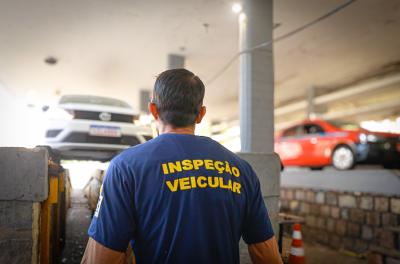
<point>86,127</point>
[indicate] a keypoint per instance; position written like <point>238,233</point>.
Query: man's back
<point>180,198</point>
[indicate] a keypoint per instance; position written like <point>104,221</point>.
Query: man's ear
<point>201,114</point>
<point>153,110</point>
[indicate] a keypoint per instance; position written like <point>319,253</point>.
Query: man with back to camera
<point>180,198</point>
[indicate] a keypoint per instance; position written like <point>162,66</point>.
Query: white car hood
<point>98,108</point>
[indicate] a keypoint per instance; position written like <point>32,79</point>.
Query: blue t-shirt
<point>180,199</point>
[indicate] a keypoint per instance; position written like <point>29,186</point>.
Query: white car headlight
<point>372,138</point>
<point>362,137</point>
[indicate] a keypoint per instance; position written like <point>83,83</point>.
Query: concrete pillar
<point>257,101</point>
<point>310,103</point>
<point>267,168</point>
<point>176,61</point>
<point>256,78</point>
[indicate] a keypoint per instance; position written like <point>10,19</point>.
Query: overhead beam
<point>339,95</point>
<point>290,108</point>
<point>391,104</point>
<point>358,89</point>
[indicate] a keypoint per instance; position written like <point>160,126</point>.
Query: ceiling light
<point>237,8</point>
<point>276,25</point>
<point>51,60</point>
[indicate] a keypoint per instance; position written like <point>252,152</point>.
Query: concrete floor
<point>364,178</point>
<point>318,254</point>
<point>78,221</point>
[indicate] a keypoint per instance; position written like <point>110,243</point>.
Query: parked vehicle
<point>92,127</point>
<point>319,143</point>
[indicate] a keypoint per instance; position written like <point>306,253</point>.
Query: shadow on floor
<point>78,221</point>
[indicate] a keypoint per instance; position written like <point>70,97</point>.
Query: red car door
<point>316,145</point>
<point>288,146</point>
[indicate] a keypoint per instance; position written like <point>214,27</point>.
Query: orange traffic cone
<point>297,251</point>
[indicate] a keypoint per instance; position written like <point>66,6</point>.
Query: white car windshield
<point>96,100</point>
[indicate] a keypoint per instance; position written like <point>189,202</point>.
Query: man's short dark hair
<point>178,95</point>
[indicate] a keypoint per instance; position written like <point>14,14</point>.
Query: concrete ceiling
<point>116,48</point>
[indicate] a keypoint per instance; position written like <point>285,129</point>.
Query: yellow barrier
<point>53,216</point>
<point>62,212</point>
<point>46,219</point>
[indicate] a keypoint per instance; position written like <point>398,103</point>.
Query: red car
<point>318,143</point>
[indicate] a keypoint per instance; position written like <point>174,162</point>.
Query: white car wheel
<point>343,158</point>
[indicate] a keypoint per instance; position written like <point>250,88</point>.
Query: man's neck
<point>168,129</point>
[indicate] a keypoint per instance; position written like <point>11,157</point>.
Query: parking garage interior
<point>308,92</point>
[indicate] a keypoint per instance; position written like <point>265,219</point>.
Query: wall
<point>23,186</point>
<point>34,195</point>
<point>352,221</point>
<point>21,126</point>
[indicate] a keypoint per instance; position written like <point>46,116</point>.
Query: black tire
<point>316,168</point>
<point>391,165</point>
<point>391,161</point>
<point>343,158</point>
<point>388,166</point>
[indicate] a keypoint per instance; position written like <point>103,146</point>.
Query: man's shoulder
<point>232,155</point>
<point>134,152</point>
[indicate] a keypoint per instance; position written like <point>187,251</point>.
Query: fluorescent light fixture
<point>237,8</point>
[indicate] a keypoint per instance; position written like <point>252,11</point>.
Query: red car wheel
<point>343,158</point>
